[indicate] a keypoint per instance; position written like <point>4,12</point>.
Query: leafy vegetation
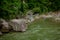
<point>11,8</point>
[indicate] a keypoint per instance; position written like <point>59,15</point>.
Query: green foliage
<point>44,5</point>
<point>36,10</point>
<point>11,8</point>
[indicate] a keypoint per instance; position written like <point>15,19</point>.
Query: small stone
<point>0,33</point>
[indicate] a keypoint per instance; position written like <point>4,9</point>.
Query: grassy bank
<point>37,30</point>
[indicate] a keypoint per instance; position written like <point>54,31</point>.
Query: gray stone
<point>30,16</point>
<point>0,33</point>
<point>4,26</point>
<point>37,16</point>
<point>18,24</point>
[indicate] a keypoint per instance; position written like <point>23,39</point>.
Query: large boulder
<point>18,24</point>
<point>4,26</point>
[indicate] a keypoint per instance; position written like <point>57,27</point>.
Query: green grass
<point>37,30</point>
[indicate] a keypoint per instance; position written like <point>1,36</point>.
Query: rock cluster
<point>14,24</point>
<point>18,24</point>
